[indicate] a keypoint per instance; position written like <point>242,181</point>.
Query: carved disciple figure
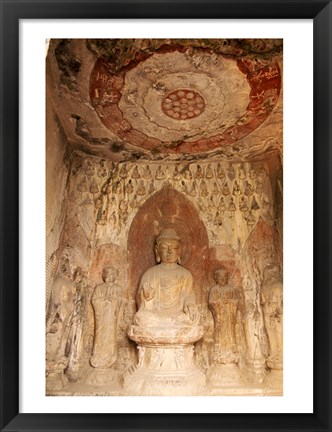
<point>165,295</point>
<point>223,302</point>
<point>272,304</point>
<point>57,325</point>
<point>105,304</point>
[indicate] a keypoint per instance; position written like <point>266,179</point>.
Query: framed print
<point>157,216</point>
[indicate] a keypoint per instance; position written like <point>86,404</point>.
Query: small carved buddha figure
<point>243,206</point>
<point>129,188</point>
<point>225,189</point>
<point>160,173</point>
<point>135,174</point>
<point>187,174</point>
<point>251,221</point>
<point>151,188</point>
<point>183,187</point>
<point>231,205</point>
<point>203,189</point>
<point>134,202</point>
<point>176,173</point>
<point>215,190</point>
<point>220,172</point>
<point>123,173</point>
<point>209,172</point>
<point>147,175</point>
<point>248,191</point>
<point>105,304</point>
<point>193,190</point>
<point>217,219</point>
<point>123,213</point>
<point>141,190</point>
<point>165,295</point>
<point>241,173</point>
<point>199,172</point>
<point>221,205</point>
<point>231,173</point>
<point>254,204</point>
<point>223,303</point>
<point>117,187</point>
<point>236,189</point>
<point>272,304</point>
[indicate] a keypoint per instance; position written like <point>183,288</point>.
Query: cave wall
<point>224,212</point>
<point>56,190</point>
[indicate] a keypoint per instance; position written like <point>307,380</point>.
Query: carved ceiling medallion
<point>183,104</point>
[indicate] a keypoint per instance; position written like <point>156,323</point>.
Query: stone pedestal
<point>255,371</point>
<point>102,377</point>
<point>55,377</point>
<point>224,375</point>
<point>274,382</point>
<point>166,362</point>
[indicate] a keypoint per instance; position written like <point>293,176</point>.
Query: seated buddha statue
<point>165,296</point>
<point>165,327</point>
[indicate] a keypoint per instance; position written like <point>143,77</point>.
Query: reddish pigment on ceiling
<point>263,78</point>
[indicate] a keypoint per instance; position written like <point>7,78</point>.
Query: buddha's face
<point>221,277</point>
<point>169,251</point>
<point>109,274</point>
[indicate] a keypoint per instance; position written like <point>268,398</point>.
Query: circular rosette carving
<point>183,104</point>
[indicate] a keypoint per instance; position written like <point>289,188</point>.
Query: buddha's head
<point>221,276</point>
<point>167,247</point>
<point>109,274</point>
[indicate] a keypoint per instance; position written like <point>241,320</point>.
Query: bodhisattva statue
<point>272,305</point>
<point>74,346</point>
<point>59,312</point>
<point>166,326</point>
<point>105,305</point>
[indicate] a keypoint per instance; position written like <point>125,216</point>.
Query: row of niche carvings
<point>231,198</point>
<point>97,186</point>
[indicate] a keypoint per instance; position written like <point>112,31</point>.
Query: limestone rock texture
<point>144,135</point>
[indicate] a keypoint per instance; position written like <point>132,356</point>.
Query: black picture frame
<point>11,11</point>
